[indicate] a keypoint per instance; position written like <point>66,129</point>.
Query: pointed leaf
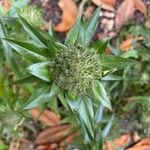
<point>111,62</point>
<point>33,32</point>
<point>99,113</point>
<point>41,94</point>
<point>112,77</point>
<point>24,51</point>
<point>100,46</point>
<point>108,127</point>
<point>73,33</point>
<point>40,70</point>
<point>91,25</point>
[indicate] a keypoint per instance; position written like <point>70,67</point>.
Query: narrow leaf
<point>25,52</point>
<point>108,127</point>
<point>91,25</point>
<point>33,32</point>
<point>111,62</point>
<point>100,46</point>
<point>73,33</point>
<point>101,95</point>
<point>40,70</point>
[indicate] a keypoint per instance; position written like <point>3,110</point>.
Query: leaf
<point>108,127</point>
<point>99,143</point>
<point>8,52</point>
<point>124,12</point>
<point>112,62</point>
<point>105,4</point>
<point>24,50</point>
<point>7,48</point>
<point>130,54</point>
<point>140,6</point>
<point>83,112</point>
<point>91,25</point>
<point>73,33</point>
<point>41,94</point>
<point>101,45</point>
<point>101,95</point>
<point>70,10</point>
<point>40,70</point>
<point>33,32</point>
<point>37,96</point>
<point>99,114</point>
<point>112,77</point>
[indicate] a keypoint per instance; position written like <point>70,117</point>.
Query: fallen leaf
<point>105,4</point>
<point>70,11</point>
<point>124,13</point>
<point>47,117</point>
<point>127,44</point>
<point>68,140</point>
<point>140,6</point>
<point>6,5</point>
<point>89,11</point>
<point>52,134</point>
<point>109,2</point>
<point>142,145</point>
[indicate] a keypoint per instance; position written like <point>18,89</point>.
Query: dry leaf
<point>89,11</point>
<point>6,5</point>
<point>142,145</point>
<point>20,144</point>
<point>127,44</point>
<point>70,11</point>
<point>124,13</point>
<point>140,6</point>
<point>68,140</point>
<point>105,4</point>
<point>109,2</point>
<point>47,117</point>
<point>53,134</point>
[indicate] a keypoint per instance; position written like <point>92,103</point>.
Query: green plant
<point>73,73</point>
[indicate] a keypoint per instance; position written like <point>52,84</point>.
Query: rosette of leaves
<point>72,72</point>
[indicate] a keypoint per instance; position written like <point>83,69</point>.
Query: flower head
<point>76,69</point>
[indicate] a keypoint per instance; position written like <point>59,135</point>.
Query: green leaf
<point>99,114</point>
<point>111,62</point>
<point>91,25</point>
<point>7,48</point>
<point>73,33</point>
<point>129,54</point>
<point>108,127</point>
<point>8,52</point>
<point>24,80</point>
<point>31,47</point>
<point>41,94</point>
<point>24,51</point>
<point>81,38</point>
<point>84,114</point>
<point>40,70</point>
<point>100,46</point>
<point>112,77</point>
<point>33,32</point>
<point>101,95</point>
<point>99,143</point>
